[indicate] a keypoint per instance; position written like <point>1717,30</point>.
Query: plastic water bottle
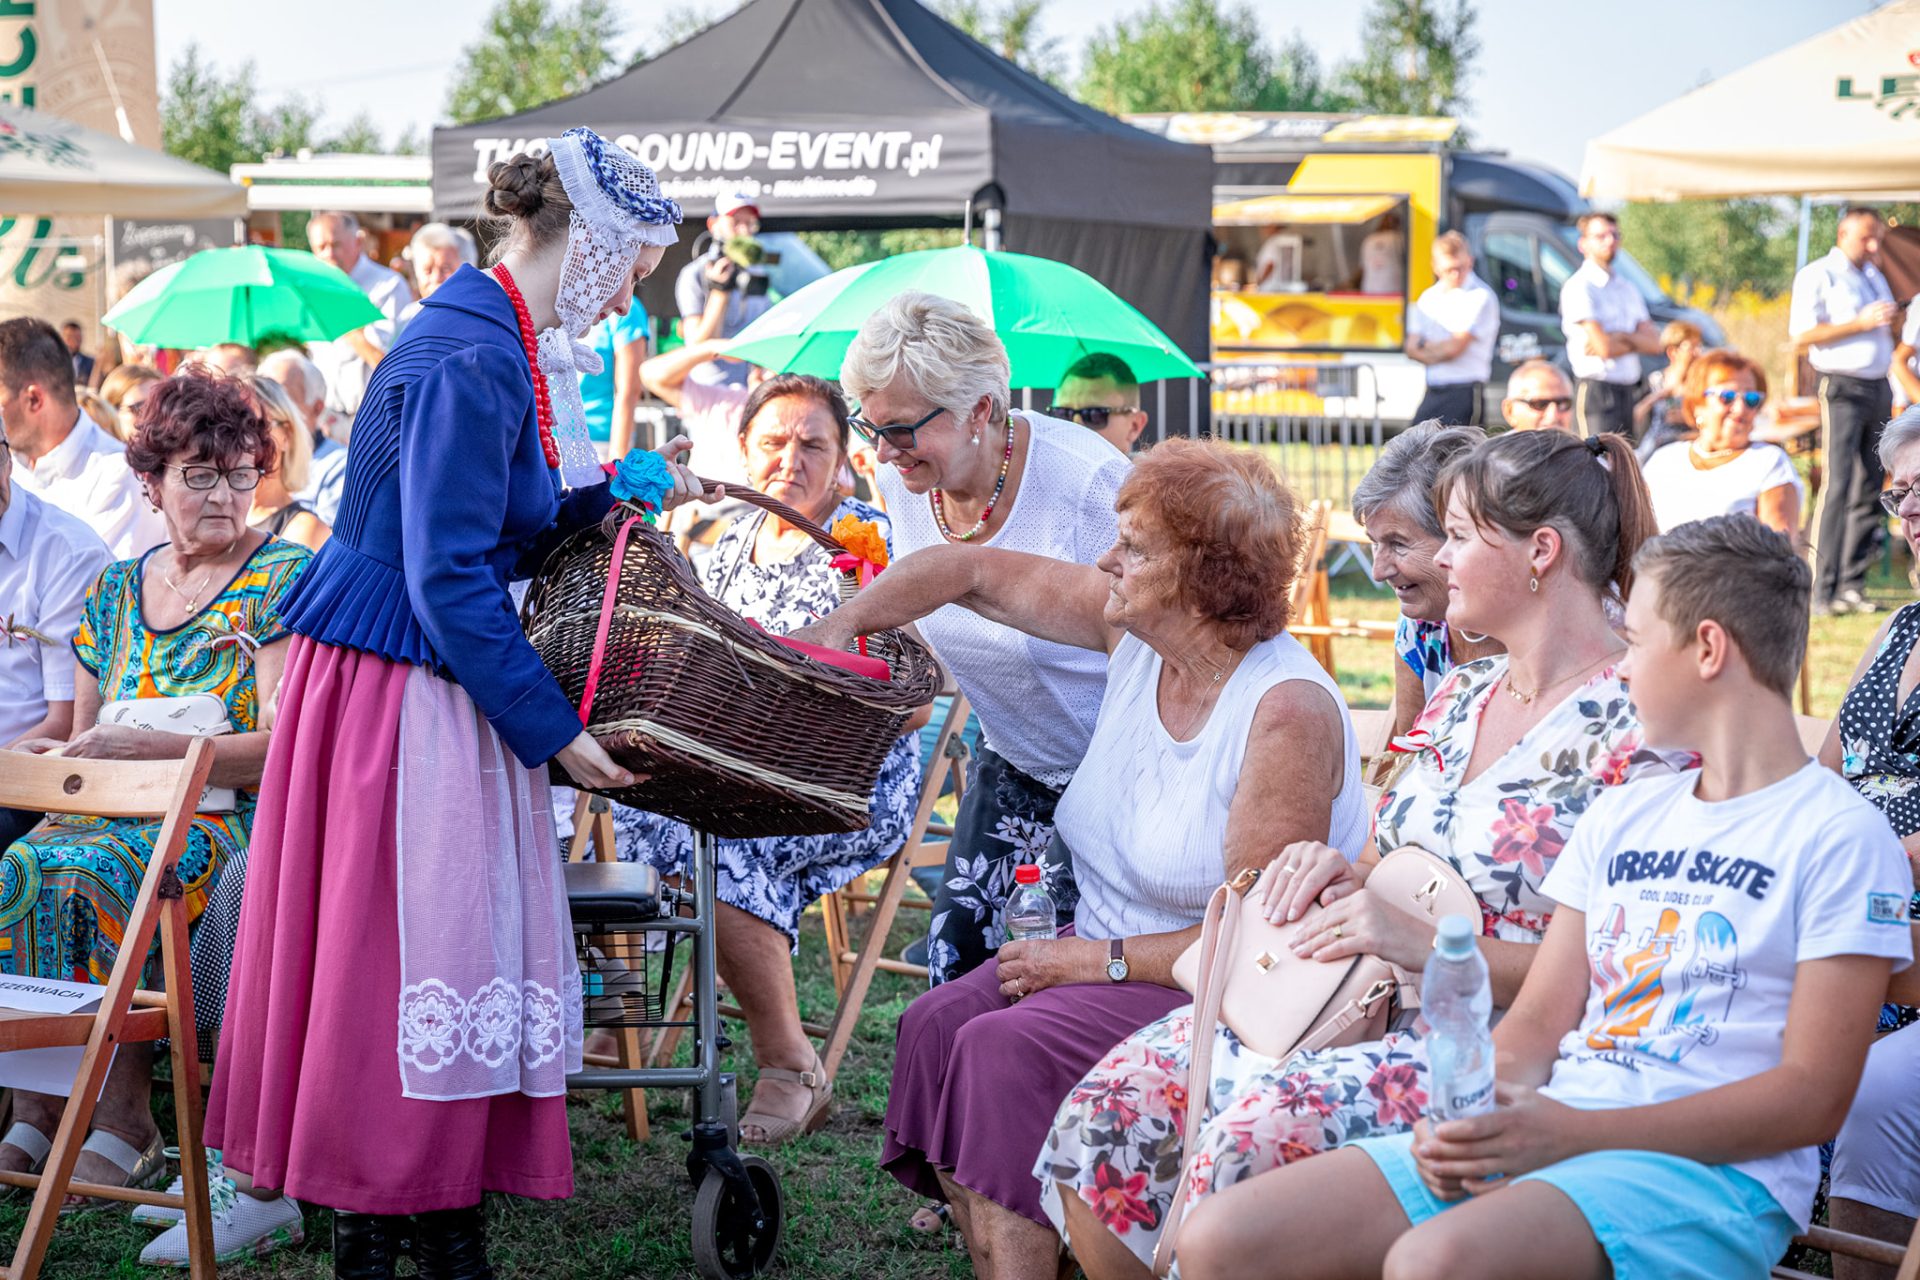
<point>1030,911</point>
<point>1457,1002</point>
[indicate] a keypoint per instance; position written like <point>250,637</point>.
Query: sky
<point>1551,75</point>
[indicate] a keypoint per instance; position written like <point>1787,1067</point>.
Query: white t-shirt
<point>1146,815</point>
<point>1442,312</point>
<point>710,416</point>
<point>346,373</point>
<point>1682,493</point>
<point>1831,290</point>
<point>1697,915</point>
<point>1593,293</point>
<point>1037,700</point>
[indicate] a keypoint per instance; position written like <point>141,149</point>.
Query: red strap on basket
<point>858,663</point>
<point>607,600</point>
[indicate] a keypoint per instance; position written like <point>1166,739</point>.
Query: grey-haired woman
<point>1394,500</point>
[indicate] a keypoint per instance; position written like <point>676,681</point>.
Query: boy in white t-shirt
<point>1696,1019</point>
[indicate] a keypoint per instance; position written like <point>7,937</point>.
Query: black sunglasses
<point>1562,403</point>
<point>1092,415</point>
<point>898,436</point>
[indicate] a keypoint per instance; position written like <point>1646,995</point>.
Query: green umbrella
<point>1048,313</point>
<point>241,295</point>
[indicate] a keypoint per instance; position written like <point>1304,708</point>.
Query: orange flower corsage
<point>862,539</point>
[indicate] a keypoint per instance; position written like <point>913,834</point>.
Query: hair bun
<point>514,186</point>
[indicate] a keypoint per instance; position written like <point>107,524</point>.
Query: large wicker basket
<point>741,735</point>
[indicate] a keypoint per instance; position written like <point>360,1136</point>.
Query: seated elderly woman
<point>275,510</point>
<point>1875,745</point>
<point>191,627</point>
<point>1394,501</point>
<point>794,437</point>
<point>1538,524</point>
<point>1723,470</point>
<point>1219,741</point>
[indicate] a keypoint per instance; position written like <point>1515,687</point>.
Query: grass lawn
<point>630,1216</point>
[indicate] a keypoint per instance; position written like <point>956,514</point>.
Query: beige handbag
<point>1243,972</point>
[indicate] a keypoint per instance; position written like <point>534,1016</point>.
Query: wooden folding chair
<point>593,834</point>
<point>1311,609</point>
<point>169,790</point>
<point>1813,732</point>
<point>1846,1245</point>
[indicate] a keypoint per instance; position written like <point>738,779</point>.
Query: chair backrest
<point>1372,730</point>
<point>99,788</point>
<point>1813,732</point>
<point>1313,559</point>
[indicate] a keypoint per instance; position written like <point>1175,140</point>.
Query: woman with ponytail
<point>1541,529</point>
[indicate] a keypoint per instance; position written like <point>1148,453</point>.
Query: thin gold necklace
<point>191,601</point>
<point>1525,699</point>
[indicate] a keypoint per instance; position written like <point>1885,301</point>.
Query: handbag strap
<point>1217,930</point>
<point>608,599</point>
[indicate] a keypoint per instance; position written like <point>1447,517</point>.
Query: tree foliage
<point>1192,55</point>
<point>217,119</point>
<point>1011,29</point>
<point>531,52</point>
<point>1419,57</point>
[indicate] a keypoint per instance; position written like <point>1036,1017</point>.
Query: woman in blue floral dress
<point>794,434</point>
<point>1508,754</point>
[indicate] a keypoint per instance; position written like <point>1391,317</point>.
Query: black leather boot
<point>365,1245</point>
<point>452,1244</point>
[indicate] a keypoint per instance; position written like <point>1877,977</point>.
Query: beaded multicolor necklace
<point>542,402</point>
<point>939,505</point>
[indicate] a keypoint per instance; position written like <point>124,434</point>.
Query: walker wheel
<point>726,1244</point>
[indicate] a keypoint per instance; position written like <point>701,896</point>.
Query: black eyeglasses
<point>1544,403</point>
<point>1891,500</point>
<point>1752,399</point>
<point>898,435</point>
<point>239,479</point>
<point>1091,415</point>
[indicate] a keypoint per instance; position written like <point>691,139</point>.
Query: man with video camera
<point>724,290</point>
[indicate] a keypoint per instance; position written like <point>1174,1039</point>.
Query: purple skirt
<point>977,1079</point>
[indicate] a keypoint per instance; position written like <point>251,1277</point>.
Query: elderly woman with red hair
<point>1219,742</point>
<point>1723,470</point>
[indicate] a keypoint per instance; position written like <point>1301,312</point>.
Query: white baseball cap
<point>734,203</point>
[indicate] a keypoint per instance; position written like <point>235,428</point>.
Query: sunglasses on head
<point>1092,415</point>
<point>897,435</point>
<point>1752,399</point>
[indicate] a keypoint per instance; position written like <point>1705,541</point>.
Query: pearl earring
<point>976,437</point>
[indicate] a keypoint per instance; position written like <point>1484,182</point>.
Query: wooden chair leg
<point>183,1038</point>
<point>633,1102</point>
<point>1910,1265</point>
<point>667,1039</point>
<point>833,915</point>
<point>847,1014</point>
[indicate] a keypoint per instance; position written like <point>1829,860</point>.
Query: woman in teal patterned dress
<point>198,615</point>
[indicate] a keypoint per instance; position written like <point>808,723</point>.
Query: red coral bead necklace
<point>542,401</point>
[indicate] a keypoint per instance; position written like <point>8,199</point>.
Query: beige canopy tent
<point>1836,114</point>
<point>51,167</point>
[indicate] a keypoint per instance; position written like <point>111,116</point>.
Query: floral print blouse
<point>1503,830</point>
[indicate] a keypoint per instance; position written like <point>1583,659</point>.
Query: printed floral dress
<point>778,877</point>
<point>67,887</point>
<point>1117,1139</point>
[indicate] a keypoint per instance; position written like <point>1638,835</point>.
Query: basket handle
<point>754,498</point>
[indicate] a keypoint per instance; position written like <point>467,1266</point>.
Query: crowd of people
<point>1696,937</point>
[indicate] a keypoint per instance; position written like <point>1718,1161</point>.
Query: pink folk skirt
<point>307,1090</point>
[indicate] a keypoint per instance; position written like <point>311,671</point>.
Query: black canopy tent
<point>853,114</point>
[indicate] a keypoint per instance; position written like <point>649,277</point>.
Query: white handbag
<point>196,715</point>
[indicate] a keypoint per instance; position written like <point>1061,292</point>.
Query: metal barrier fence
<point>1320,422</point>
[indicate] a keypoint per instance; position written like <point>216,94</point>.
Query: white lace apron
<point>489,983</point>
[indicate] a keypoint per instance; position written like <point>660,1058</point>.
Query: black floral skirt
<point>1005,820</point>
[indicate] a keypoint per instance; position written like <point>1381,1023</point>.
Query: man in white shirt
<point>1906,357</point>
<point>1451,330</point>
<point>307,388</point>
<point>59,454</point>
<point>1843,313</point>
<point>48,560</point>
<point>348,361</point>
<point>1608,330</point>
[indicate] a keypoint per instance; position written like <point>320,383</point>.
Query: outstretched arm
<point>1052,599</point>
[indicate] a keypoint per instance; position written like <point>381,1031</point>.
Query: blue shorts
<point>1658,1217</point>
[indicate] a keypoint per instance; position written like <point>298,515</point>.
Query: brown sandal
<point>776,1130</point>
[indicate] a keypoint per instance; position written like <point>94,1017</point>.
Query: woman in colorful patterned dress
<point>198,617</point>
<point>794,435</point>
<point>1538,525</point>
<point>1394,501</point>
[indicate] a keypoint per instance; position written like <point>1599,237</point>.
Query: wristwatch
<point>1116,962</point>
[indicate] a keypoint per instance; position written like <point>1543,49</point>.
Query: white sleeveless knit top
<point>1146,815</point>
<point>1036,700</point>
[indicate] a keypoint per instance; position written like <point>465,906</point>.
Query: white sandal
<point>144,1169</point>
<point>31,1143</point>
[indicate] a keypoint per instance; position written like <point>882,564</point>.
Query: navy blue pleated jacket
<point>448,498</point>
